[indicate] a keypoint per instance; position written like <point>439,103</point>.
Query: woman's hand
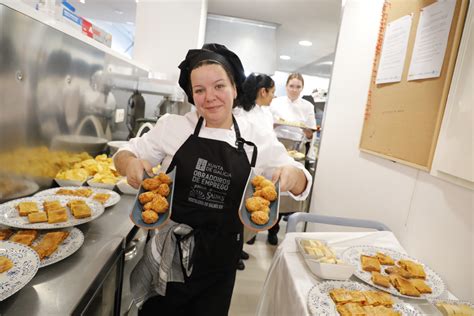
<point>291,179</point>
<point>129,165</point>
<point>134,171</point>
<point>308,133</point>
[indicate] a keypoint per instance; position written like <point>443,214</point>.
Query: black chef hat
<point>215,52</point>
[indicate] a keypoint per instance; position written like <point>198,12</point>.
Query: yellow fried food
<point>149,217</point>
<point>257,203</point>
<point>265,183</point>
<point>259,217</point>
<point>268,193</point>
<point>257,180</point>
<point>146,197</point>
<point>151,184</point>
<point>163,190</point>
<point>163,177</point>
<point>159,204</point>
<point>73,174</point>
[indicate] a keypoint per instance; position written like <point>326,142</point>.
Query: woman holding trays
<point>213,153</point>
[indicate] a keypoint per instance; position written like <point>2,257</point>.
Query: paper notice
<point>431,39</point>
<point>394,50</point>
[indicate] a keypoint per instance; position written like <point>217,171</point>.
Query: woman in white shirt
<point>258,93</point>
<point>209,143</point>
<point>293,108</point>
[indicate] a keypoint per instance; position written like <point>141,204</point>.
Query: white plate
<point>68,183</point>
<point>126,188</point>
<point>25,265</point>
<point>9,214</point>
<point>451,302</point>
<point>321,304</point>
<point>69,246</point>
<point>113,199</point>
<point>352,256</point>
<point>100,185</point>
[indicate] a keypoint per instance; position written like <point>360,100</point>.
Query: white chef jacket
<point>298,111</point>
<point>259,114</point>
<point>161,143</point>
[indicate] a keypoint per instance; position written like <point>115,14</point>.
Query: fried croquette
<point>149,217</point>
<point>265,183</point>
<point>151,184</point>
<point>257,203</point>
<point>259,217</point>
<point>257,180</point>
<point>146,197</point>
<point>163,177</point>
<point>163,190</point>
<point>268,193</point>
<point>159,204</point>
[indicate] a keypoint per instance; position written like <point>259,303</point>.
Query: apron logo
<point>201,164</point>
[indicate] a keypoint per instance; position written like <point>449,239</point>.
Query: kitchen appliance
<point>135,110</point>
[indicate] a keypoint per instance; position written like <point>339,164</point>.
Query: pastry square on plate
<point>340,296</point>
<point>5,234</point>
<point>84,192</point>
<point>369,263</point>
<point>80,210</point>
<point>51,205</point>
<point>400,271</point>
<point>24,237</point>
<point>403,285</point>
<point>380,279</point>
<point>350,309</point>
<point>421,286</point>
<point>415,269</point>
<point>101,197</point>
<point>5,264</point>
<point>37,217</point>
<point>25,208</point>
<point>384,259</point>
<point>75,202</point>
<point>57,216</point>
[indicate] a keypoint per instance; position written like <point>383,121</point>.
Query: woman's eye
<point>198,91</point>
<point>220,86</point>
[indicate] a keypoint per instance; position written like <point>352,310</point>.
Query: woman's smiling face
<point>213,94</point>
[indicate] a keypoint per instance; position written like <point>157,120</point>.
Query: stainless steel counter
<point>57,289</point>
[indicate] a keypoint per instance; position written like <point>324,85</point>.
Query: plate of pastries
<point>50,245</point>
<point>353,298</point>
<point>284,122</point>
<point>49,212</point>
<point>18,265</point>
<point>105,197</point>
<point>260,203</point>
<point>394,272</point>
<point>152,208</point>
<point>453,307</point>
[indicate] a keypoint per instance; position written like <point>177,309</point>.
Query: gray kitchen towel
<point>161,262</point>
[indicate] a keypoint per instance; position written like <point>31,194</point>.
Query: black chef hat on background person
<point>216,52</point>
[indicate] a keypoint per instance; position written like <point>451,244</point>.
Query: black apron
<point>210,180</point>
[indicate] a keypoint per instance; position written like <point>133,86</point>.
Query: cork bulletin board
<point>402,119</point>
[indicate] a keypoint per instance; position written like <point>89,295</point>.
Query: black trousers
<point>276,228</point>
<point>206,295</point>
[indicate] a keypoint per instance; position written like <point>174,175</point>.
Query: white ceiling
<point>313,20</point>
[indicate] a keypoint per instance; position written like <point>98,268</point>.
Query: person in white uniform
<point>213,140</point>
<point>258,93</point>
<point>293,108</point>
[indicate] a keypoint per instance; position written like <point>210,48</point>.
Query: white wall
<point>254,42</point>
<point>165,31</point>
<point>432,219</point>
